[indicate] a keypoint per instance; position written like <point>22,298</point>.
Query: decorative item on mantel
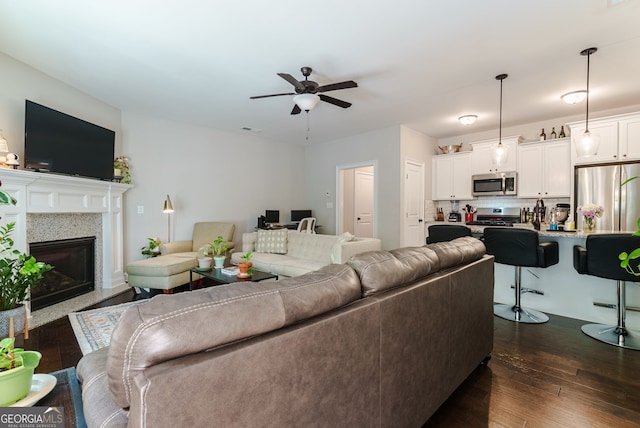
<point>121,172</point>
<point>589,212</point>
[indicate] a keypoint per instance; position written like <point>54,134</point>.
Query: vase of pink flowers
<point>589,212</point>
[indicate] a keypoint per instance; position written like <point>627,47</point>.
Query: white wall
<point>322,160</point>
<point>210,175</point>
<point>21,82</point>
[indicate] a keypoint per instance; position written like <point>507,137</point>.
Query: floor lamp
<point>168,209</point>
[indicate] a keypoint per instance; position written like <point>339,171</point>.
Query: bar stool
<point>520,247</point>
<point>446,232</point>
<point>600,258</point>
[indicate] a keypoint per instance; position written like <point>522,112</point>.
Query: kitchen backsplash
<point>431,207</point>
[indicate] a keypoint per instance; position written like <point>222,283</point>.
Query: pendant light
<point>500,152</point>
<point>587,144</point>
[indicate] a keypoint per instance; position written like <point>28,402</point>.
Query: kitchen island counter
<point>566,292</point>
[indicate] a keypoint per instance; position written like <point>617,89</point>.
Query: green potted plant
<point>18,273</point>
<point>152,248</point>
<point>627,258</point>
<point>16,371</point>
<point>121,169</point>
<point>246,265</point>
<point>219,250</point>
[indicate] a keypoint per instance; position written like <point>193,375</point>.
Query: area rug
<point>93,328</point>
<point>66,394</point>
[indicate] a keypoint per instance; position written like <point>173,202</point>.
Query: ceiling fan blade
<point>296,109</point>
<point>336,86</point>
<point>289,78</point>
<point>335,101</point>
<point>272,95</point>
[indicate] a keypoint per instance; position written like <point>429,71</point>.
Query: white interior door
<point>363,205</point>
<point>414,204</point>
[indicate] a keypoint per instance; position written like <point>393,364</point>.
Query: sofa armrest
<point>343,251</point>
<point>176,247</point>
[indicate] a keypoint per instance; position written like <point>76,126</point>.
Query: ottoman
<point>162,272</point>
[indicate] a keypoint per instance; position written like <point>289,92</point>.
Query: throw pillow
<point>272,241</point>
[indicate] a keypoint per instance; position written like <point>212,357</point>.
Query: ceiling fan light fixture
<point>468,119</point>
<point>500,152</point>
<point>574,97</point>
<point>306,102</point>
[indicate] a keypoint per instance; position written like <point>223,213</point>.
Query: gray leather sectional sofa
<point>380,341</point>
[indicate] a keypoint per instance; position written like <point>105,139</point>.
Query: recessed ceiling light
<point>467,119</point>
<point>574,97</point>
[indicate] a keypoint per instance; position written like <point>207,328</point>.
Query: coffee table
<point>219,278</point>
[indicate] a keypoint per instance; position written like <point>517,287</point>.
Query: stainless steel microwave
<point>498,184</point>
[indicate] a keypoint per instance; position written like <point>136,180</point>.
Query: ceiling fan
<point>306,92</point>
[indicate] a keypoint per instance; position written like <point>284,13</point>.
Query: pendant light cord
<point>586,129</point>
<point>587,52</point>
<point>501,77</point>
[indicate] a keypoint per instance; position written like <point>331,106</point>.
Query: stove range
<point>496,217</point>
<point>490,223</point>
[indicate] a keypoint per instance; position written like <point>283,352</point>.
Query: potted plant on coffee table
<point>16,371</point>
<point>246,265</point>
<point>18,273</point>
<point>219,250</point>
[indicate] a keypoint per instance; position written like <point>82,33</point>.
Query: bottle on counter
<point>543,136</point>
<point>553,134</point>
<point>562,134</point>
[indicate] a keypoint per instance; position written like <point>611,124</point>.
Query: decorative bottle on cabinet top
<point>543,136</point>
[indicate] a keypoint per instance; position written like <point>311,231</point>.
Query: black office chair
<point>446,232</point>
<point>520,247</point>
<point>600,258</point>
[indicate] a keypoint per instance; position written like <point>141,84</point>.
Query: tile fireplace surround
<point>41,194</point>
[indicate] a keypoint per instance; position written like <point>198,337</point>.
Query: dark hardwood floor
<point>548,375</point>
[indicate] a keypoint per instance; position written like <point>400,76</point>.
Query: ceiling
<point>417,62</point>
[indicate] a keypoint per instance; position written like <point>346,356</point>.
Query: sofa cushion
<point>458,251</point>
<point>383,270</point>
<point>171,326</point>
<point>272,241</point>
<point>311,246</point>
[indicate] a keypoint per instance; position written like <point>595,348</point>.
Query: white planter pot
<point>204,262</point>
<point>219,261</point>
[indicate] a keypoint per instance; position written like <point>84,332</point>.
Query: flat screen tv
<point>57,142</point>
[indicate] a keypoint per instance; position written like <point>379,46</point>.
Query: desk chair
<point>307,225</point>
<point>600,258</point>
<point>520,247</point>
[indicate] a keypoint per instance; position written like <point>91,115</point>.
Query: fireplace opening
<point>73,272</point>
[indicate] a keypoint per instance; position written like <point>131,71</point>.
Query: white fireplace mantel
<point>46,193</point>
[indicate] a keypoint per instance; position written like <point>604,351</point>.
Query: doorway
<point>357,200</point>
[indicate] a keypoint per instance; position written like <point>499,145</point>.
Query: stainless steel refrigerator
<point>601,184</point>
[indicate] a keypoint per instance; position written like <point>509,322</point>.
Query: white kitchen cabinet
<point>452,177</point>
<point>544,169</point>
<point>481,156</point>
<point>619,139</point>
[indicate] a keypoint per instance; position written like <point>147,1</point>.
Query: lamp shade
<point>574,97</point>
<point>168,206</point>
<point>306,102</point>
<point>499,154</point>
<point>587,145</point>
<point>467,119</point>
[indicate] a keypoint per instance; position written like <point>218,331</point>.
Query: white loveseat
<point>302,252</point>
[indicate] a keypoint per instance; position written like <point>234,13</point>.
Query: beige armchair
<point>203,234</point>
